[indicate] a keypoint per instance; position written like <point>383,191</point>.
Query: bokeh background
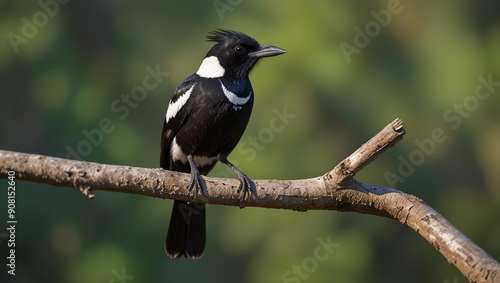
<point>64,65</point>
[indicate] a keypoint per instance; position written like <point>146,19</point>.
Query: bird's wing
<point>175,123</point>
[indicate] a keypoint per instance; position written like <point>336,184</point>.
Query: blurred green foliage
<point>66,75</point>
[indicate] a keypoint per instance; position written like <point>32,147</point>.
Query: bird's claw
<point>246,185</point>
<point>196,182</point>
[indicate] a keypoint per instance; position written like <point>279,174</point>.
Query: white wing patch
<point>173,108</point>
<point>210,68</point>
<point>236,100</point>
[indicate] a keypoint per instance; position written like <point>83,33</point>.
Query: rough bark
<point>335,190</point>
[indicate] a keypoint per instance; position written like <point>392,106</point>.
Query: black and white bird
<point>205,119</point>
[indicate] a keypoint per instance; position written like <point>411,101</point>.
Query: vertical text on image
<point>11,222</point>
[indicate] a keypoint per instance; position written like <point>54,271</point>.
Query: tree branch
<point>336,190</point>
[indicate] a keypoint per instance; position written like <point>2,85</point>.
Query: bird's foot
<point>197,182</point>
<point>246,185</point>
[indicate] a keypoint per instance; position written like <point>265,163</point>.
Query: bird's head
<point>234,55</point>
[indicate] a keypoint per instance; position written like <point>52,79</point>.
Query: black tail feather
<point>187,230</point>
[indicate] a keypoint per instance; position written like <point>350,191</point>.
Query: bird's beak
<point>267,51</point>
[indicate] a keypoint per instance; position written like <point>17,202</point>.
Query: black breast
<point>215,124</point>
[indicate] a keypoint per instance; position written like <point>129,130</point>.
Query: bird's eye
<point>239,49</point>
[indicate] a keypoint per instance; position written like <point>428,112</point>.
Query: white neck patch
<point>236,100</point>
<point>210,68</point>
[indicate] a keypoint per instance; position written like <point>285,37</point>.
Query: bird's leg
<point>246,185</point>
<point>196,182</point>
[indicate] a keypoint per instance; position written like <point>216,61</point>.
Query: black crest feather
<point>224,35</point>
<point>219,35</point>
